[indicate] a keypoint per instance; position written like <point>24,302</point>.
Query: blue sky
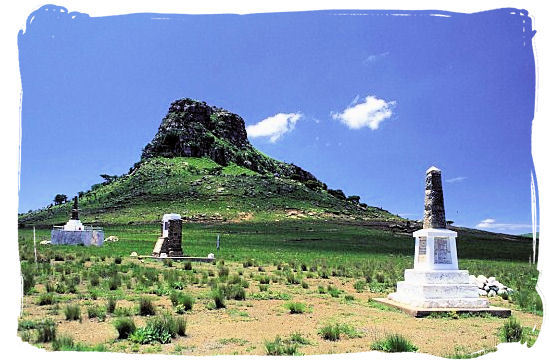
<point>365,102</point>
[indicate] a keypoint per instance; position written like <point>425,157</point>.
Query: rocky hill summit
<point>195,129</point>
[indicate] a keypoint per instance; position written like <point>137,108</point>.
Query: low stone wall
<point>78,237</point>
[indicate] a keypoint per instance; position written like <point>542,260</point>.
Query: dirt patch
<point>244,326</point>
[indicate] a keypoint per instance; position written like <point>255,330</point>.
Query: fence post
<point>34,240</point>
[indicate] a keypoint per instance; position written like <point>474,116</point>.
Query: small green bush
<point>96,311</point>
<point>46,331</point>
<point>185,301</point>
<point>394,343</point>
<point>263,287</point>
<point>181,326</point>
<point>72,312</point>
<point>359,286</point>
<point>511,331</point>
<point>111,305</point>
<point>333,332</point>
<point>46,299</point>
<point>223,271</point>
<point>330,332</point>
<point>278,347</point>
<point>125,327</point>
<point>219,298</point>
<point>161,329</point>
<point>146,306</point>
<point>333,291</point>
<point>296,307</point>
<point>305,285</point>
<point>297,337</point>
<point>63,343</point>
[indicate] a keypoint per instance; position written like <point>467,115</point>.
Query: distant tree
<point>339,194</point>
<point>80,194</point>
<point>450,222</point>
<point>354,199</point>
<point>59,199</point>
<point>108,178</point>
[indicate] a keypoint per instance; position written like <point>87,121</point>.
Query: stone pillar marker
<point>434,209</point>
<point>435,281</point>
<point>169,244</point>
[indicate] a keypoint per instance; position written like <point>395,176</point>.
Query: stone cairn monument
<point>436,281</point>
<point>75,233</point>
<point>169,244</point>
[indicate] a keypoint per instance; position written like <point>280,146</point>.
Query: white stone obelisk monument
<point>436,281</point>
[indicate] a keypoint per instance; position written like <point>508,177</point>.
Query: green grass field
<point>341,249</point>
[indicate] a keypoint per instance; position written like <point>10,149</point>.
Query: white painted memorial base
<point>435,281</point>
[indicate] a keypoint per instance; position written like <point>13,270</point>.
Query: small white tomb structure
<point>75,233</point>
<point>436,281</point>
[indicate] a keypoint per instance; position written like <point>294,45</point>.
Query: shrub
<point>111,305</point>
<point>296,307</point>
<point>219,298</point>
<point>46,299</point>
<point>146,306</point>
<point>359,286</point>
<point>297,337</point>
<point>279,348</point>
<point>185,301</point>
<point>305,285</point>
<point>511,330</point>
<point>98,312</point>
<point>349,298</point>
<point>393,343</point>
<point>264,279</point>
<point>334,292</point>
<point>118,260</point>
<point>124,327</point>
<point>72,312</point>
<point>63,343</point>
<point>159,329</point>
<point>46,331</point>
<point>223,271</point>
<point>94,280</point>
<point>187,266</point>
<point>238,293</point>
<point>263,287</point>
<point>181,326</point>
<point>330,332</point>
<point>28,279</point>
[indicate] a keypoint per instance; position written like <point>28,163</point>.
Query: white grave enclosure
<point>435,281</point>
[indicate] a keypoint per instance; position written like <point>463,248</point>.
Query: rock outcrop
<point>195,129</point>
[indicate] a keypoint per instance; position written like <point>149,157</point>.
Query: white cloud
<point>274,127</point>
<point>370,113</point>
<point>493,225</point>
<point>456,179</point>
<point>375,57</point>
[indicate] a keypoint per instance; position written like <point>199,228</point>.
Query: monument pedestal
<point>435,281</point>
<point>438,289</point>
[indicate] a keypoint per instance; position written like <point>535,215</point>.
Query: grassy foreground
<point>294,287</point>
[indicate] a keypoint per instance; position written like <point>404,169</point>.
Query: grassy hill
<point>204,191</point>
